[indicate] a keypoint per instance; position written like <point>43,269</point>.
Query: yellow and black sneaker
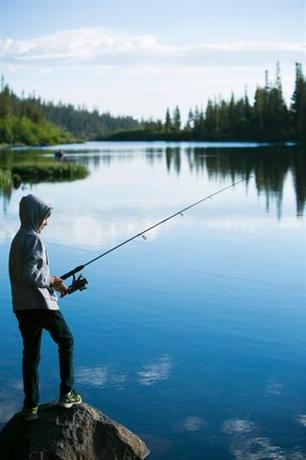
<point>30,413</point>
<point>70,399</point>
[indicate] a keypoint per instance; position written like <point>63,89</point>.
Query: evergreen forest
<point>267,118</point>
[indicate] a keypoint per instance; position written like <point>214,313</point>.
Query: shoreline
<point>176,141</point>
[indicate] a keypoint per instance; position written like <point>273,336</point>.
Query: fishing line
<point>81,282</point>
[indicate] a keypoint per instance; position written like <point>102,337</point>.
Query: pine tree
<point>177,119</point>
<point>298,106</point>
<point>190,121</point>
<point>168,121</point>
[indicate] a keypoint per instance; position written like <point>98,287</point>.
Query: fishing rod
<point>79,283</point>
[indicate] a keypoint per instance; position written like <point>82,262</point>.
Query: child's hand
<point>58,285</point>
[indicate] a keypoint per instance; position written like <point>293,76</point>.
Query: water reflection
<point>95,376</point>
<point>152,373</point>
<point>194,423</point>
<point>258,449</point>
<point>248,444</point>
<point>99,377</point>
<point>233,426</point>
<point>273,387</point>
<point>270,165</point>
<point>302,420</point>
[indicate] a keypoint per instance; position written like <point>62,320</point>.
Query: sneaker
<point>30,414</point>
<point>69,399</point>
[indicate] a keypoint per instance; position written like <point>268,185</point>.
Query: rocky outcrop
<point>79,433</point>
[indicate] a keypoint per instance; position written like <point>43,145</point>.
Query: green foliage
<point>23,130</point>
<point>49,171</point>
<point>32,167</point>
<point>5,178</point>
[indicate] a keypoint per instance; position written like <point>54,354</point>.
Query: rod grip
<point>72,272</point>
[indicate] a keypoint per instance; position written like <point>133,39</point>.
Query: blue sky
<point>138,57</point>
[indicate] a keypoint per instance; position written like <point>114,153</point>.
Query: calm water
<point>196,337</point>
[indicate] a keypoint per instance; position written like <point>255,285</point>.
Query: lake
<point>194,338</point>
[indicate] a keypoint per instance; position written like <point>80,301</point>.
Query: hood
<point>32,212</point>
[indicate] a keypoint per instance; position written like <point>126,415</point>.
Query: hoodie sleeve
<point>35,268</point>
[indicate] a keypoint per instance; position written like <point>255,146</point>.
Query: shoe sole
<point>69,405</point>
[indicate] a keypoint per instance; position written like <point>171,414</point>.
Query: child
<point>35,305</point>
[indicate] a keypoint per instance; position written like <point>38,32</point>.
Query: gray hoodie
<point>28,260</point>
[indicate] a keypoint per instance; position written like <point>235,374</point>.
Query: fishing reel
<point>78,284</point>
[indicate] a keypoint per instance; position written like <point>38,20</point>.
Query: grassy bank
<point>49,171</point>
<point>44,171</point>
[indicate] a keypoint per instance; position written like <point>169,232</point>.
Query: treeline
<point>84,124</point>
<point>32,121</point>
<point>268,118</point>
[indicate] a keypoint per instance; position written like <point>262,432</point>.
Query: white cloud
<point>80,44</point>
<point>247,45</point>
<point>97,44</point>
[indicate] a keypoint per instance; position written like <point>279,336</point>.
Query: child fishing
<point>36,307</point>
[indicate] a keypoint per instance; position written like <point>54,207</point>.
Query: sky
<point>138,57</point>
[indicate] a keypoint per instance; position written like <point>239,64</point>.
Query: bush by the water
<point>49,171</point>
<point>44,171</point>
<point>5,179</point>
<point>23,130</point>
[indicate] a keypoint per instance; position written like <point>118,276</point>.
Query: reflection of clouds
<point>95,376</point>
<point>296,455</point>
<point>273,387</point>
<point>246,446</point>
<point>258,449</point>
<point>98,376</point>
<point>251,225</point>
<point>194,423</point>
<point>155,372</point>
<point>302,420</point>
<point>237,425</point>
<point>78,228</point>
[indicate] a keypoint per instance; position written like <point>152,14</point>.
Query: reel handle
<point>78,284</point>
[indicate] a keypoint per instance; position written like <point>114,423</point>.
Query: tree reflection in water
<point>270,165</point>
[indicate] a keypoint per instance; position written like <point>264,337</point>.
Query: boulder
<point>79,433</point>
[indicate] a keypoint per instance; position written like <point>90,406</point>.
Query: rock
<point>79,433</point>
